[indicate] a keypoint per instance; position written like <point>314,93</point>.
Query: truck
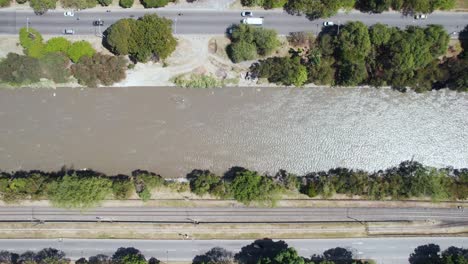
<point>258,21</point>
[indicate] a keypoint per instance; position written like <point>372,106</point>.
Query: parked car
<point>69,13</point>
<point>247,14</point>
<point>328,23</point>
<point>420,16</point>
<point>98,23</point>
<point>68,31</point>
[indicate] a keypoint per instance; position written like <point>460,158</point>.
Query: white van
<point>258,21</point>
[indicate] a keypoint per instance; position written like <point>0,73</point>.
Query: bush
<point>18,69</point>
<point>154,3</point>
<point>100,69</point>
<point>73,191</point>
<point>54,66</point>
<point>145,182</point>
<point>197,81</point>
<point>79,49</point>
<point>126,3</point>
<point>78,4</point>
<point>5,3</point>
<point>21,1</point>
<point>122,187</point>
<point>150,37</point>
<point>29,37</point>
<point>249,186</point>
<point>249,41</point>
<point>286,71</point>
<point>57,44</point>
<point>41,6</point>
<point>204,182</point>
<point>105,2</point>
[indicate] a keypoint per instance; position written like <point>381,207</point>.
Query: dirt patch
<point>9,44</point>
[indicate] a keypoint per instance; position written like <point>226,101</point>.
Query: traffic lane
<point>384,250</point>
<point>231,214</point>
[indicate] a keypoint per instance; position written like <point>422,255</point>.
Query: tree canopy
<point>149,37</point>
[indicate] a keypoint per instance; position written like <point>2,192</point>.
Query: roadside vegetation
<point>58,60</point>
<point>314,9</point>
<point>87,188</point>
<point>148,38</point>
<point>261,251</point>
<point>354,54</point>
<point>248,42</point>
<point>42,6</point>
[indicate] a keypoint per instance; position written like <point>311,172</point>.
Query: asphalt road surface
<point>231,215</point>
<point>384,250</point>
<point>212,22</point>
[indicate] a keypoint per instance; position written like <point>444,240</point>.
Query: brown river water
<point>173,130</point>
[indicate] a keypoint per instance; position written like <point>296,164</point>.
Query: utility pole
<point>27,24</point>
<point>175,26</point>
<point>339,27</point>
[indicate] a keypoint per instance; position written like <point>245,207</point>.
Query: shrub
<point>74,191</point>
<point>79,49</point>
<point>54,66</point>
<point>154,3</point>
<point>99,69</point>
<point>249,186</point>
<point>145,182</point>
<point>198,81</point>
<point>41,6</point>
<point>57,44</point>
<point>21,1</point>
<point>105,2</point>
<point>19,69</point>
<point>126,3</point>
<point>78,4</point>
<point>5,3</point>
<point>204,182</point>
<point>248,41</point>
<point>29,37</point>
<point>122,187</point>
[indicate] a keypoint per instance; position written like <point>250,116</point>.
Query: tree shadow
<point>261,248</point>
<point>425,254</point>
<point>230,174</point>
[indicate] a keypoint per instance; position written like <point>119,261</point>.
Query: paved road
<point>384,250</point>
<point>212,22</point>
<point>232,215</point>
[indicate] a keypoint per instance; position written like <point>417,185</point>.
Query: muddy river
<point>172,131</point>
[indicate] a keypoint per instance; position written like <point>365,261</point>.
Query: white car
<point>247,14</point>
<point>69,13</point>
<point>68,31</point>
<point>328,23</point>
<point>420,16</point>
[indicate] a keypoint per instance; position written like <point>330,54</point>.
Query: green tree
<point>242,51</point>
<point>266,41</point>
<point>31,41</point>
<point>122,187</point>
<point>78,4</point>
<point>100,69</point>
<point>249,186</point>
<point>41,6</point>
<point>126,3</point>
<point>150,37</point>
<point>128,256</point>
<point>19,69</point>
<point>57,44</point>
<point>281,70</point>
<point>205,182</point>
<point>105,2</point>
<point>354,42</point>
<point>54,66</point>
<point>80,49</point>
<point>154,3</point>
<point>373,6</point>
<point>73,191</point>
<point>5,3</point>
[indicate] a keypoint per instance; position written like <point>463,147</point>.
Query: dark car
<point>98,23</point>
